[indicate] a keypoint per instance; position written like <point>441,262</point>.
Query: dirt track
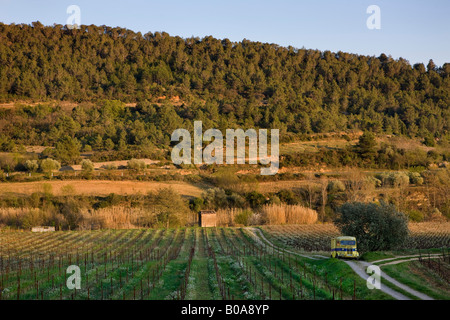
<point>360,269</point>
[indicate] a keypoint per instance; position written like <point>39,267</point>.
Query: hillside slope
<point>245,83</point>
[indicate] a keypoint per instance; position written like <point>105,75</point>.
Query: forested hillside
<point>245,83</point>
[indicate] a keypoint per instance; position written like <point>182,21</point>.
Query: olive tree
<point>31,165</point>
<point>375,226</point>
<point>49,165</point>
<point>87,165</point>
<point>136,165</point>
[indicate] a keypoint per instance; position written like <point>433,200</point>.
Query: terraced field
<point>187,263</point>
<point>98,187</point>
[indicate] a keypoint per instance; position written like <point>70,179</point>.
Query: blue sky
<point>415,30</point>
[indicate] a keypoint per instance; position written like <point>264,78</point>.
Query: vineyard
<point>153,264</point>
<point>317,237</point>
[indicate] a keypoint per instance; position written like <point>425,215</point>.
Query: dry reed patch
<point>24,217</point>
<point>288,214</point>
<point>100,187</point>
<point>114,218</point>
<point>225,217</point>
<point>120,217</point>
<point>268,214</point>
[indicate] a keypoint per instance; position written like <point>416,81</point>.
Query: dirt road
<point>359,267</point>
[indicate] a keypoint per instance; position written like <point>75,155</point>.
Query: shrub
<point>287,196</point>
<point>384,178</point>
<point>235,200</point>
<point>415,215</point>
<point>399,179</point>
<point>336,186</point>
<point>393,179</point>
<point>31,165</point>
<point>346,137</point>
<point>215,198</point>
<point>415,178</point>
<point>273,199</point>
<point>171,209</point>
<point>68,190</point>
<point>225,178</point>
<point>196,204</point>
<point>374,181</point>
<point>70,209</point>
<point>87,148</point>
<point>110,166</point>
<point>87,165</point>
<point>429,141</point>
<point>49,165</point>
<point>136,165</point>
<point>25,218</point>
<point>255,199</point>
<point>243,217</point>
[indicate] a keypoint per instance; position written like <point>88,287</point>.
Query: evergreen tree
<point>366,146</point>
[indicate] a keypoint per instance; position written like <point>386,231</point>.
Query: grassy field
<point>315,145</point>
<point>98,187</point>
<point>429,277</point>
<point>421,278</point>
<point>338,142</point>
<point>192,263</point>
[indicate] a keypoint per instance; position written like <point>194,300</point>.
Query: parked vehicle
<point>344,247</point>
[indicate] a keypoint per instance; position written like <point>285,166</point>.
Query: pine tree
<point>366,146</point>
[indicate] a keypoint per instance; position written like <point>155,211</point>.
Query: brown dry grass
<point>112,218</point>
<point>225,217</point>
<point>36,149</point>
<point>314,146</point>
<point>66,105</point>
<point>269,214</point>
<point>289,214</point>
<point>275,186</point>
<point>116,217</point>
<point>99,187</point>
<point>24,216</point>
<point>404,143</point>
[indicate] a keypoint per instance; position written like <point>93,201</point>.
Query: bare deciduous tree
<point>357,188</point>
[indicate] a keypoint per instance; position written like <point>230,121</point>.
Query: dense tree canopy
<point>225,83</point>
